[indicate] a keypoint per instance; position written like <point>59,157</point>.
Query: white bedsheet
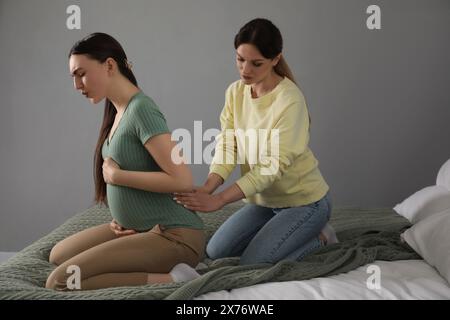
<point>402,279</point>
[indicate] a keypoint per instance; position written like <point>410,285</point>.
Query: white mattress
<point>403,279</point>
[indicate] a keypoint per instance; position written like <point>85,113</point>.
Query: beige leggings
<point>106,260</point>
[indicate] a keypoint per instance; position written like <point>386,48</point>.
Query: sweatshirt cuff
<point>221,171</point>
<point>247,187</point>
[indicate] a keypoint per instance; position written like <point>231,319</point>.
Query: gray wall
<point>379,100</point>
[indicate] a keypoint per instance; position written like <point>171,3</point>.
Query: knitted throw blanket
<point>365,235</point>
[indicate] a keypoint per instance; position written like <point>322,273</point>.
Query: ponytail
<point>283,70</point>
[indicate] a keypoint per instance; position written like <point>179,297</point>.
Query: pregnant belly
<point>135,209</point>
<point>124,207</point>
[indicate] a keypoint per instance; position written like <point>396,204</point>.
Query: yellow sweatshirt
<point>278,169</point>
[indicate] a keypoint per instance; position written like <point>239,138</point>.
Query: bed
<point>400,280</point>
<point>368,236</point>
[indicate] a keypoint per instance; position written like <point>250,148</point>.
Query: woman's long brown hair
<point>101,46</point>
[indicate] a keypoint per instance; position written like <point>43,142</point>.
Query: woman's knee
<point>219,247</point>
<point>56,255</point>
<point>213,251</point>
<point>59,254</point>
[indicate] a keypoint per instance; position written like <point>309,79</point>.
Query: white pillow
<point>430,238</point>
<point>443,177</point>
<point>423,203</point>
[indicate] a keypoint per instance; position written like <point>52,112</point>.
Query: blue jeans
<point>268,235</point>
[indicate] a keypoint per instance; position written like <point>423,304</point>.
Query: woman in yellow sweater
<point>288,203</point>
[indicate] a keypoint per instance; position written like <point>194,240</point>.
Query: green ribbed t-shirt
<point>134,208</point>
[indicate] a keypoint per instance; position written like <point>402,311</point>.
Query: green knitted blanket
<point>365,235</point>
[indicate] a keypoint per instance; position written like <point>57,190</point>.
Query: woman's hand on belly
<point>199,201</point>
<point>110,168</point>
<point>119,230</point>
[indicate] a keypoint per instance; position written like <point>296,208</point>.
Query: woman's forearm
<point>231,194</point>
<point>153,181</point>
<point>213,182</point>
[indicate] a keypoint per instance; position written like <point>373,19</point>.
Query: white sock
<point>183,272</point>
<point>329,233</point>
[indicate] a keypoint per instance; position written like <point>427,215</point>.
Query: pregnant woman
<point>151,238</point>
